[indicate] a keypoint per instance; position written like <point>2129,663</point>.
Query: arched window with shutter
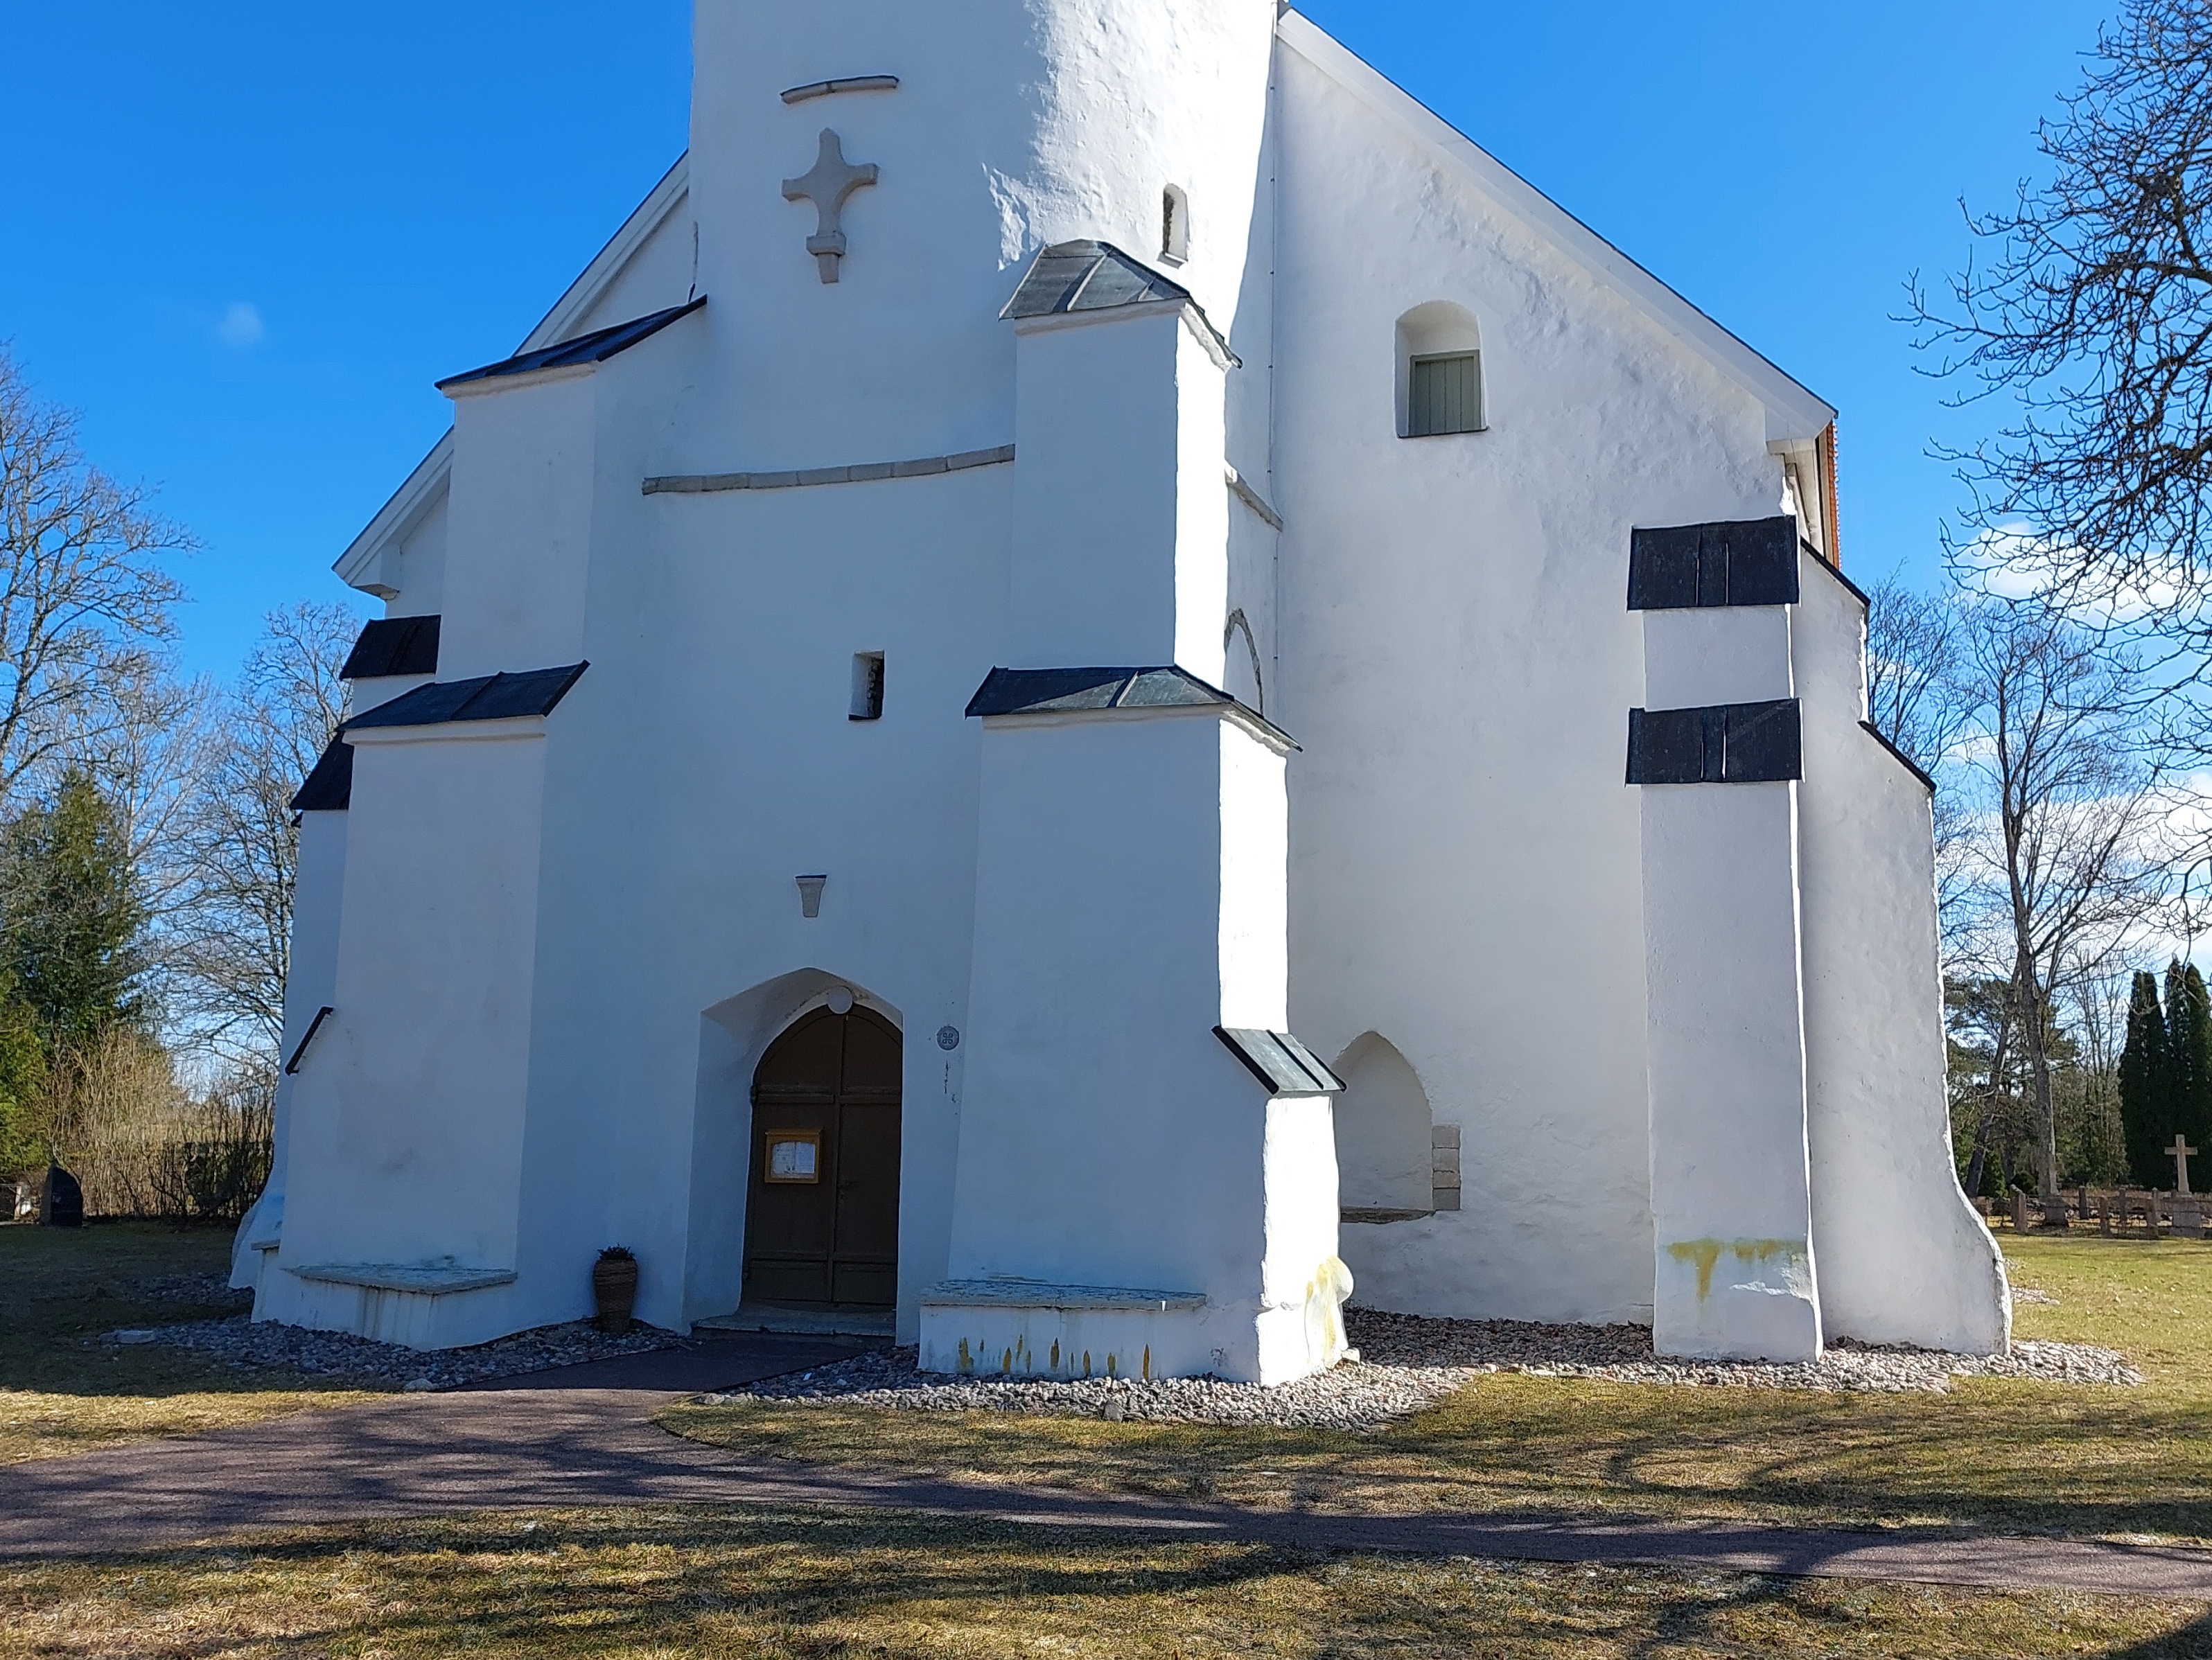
<point>1440,383</point>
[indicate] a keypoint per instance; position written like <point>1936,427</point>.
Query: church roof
<point>1280,1062</point>
<point>1087,276</point>
<point>394,646</point>
<point>1097,276</point>
<point>329,788</point>
<point>487,697</point>
<point>1071,691</point>
<point>596,347</point>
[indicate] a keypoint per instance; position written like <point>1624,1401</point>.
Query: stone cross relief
<point>827,186</point>
<point>2180,1153</point>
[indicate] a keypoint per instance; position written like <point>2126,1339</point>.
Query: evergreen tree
<point>2192,1098</point>
<point>24,1143</point>
<point>70,919</point>
<point>2146,1079</point>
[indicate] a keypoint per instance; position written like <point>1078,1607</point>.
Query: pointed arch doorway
<point>821,1202</point>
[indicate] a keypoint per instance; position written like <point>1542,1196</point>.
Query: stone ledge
<point>429,1279</point>
<point>1376,1215</point>
<point>1038,1294</point>
<point>863,472</point>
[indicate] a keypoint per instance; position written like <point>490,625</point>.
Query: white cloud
<point>241,325</point>
<point>2012,561</point>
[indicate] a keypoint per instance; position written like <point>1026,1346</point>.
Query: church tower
<point>1131,1195</point>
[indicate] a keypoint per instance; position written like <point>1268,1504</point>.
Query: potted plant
<point>614,1287</point>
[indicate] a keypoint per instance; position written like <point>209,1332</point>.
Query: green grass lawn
<point>668,1584</point>
<point>62,1390</point>
<point>2099,1462</point>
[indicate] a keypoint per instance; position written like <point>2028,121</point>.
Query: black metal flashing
<point>1097,276</point>
<point>1696,567</point>
<point>394,646</point>
<point>1280,1062</point>
<point>315,1025</point>
<point>487,697</point>
<point>1069,691</point>
<point>1851,587</point>
<point>1898,755</point>
<point>1723,743</point>
<point>594,348</point>
<point>329,788</point>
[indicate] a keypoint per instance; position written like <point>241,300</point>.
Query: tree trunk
<point>1978,1163</point>
<point>2033,1038</point>
<point>1987,1128</point>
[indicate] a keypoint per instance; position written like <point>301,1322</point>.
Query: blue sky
<point>244,239</point>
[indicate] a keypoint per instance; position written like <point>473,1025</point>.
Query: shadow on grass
<point>2032,1457</point>
<point>585,1583</point>
<point>700,1579</point>
<point>2192,1641</point>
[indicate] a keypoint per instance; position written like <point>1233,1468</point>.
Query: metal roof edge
<point>612,259</point>
<point>1758,374</point>
<point>356,566</point>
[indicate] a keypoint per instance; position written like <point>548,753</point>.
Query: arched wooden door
<point>822,1214</point>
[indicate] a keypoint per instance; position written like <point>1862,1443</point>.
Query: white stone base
<point>419,1307</point>
<point>1736,1300</point>
<point>1020,1328</point>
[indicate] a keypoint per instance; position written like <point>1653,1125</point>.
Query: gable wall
<point>1458,662</point>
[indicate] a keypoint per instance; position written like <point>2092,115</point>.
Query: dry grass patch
<point>63,1391</point>
<point>668,1583</point>
<point>2090,1461</point>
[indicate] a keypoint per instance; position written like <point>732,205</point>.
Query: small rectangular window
<point>868,686</point>
<point>1445,395</point>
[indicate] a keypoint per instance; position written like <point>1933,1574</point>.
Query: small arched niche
<point>1174,225</point>
<point>1440,383</point>
<point>1384,1162</point>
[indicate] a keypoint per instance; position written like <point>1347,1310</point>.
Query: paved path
<point>582,1436</point>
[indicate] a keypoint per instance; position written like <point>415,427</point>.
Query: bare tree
<point>231,925</point>
<point>2093,321</point>
<point>85,598</point>
<point>2069,851</point>
<point>1918,699</point>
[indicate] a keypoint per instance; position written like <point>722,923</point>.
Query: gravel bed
<point>1623,1355</point>
<point>343,1360</point>
<point>192,1288</point>
<point>1407,1365</point>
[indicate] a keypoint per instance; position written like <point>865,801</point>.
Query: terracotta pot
<point>614,1286</point>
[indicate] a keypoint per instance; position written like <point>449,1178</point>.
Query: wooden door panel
<point>835,1240</point>
<point>868,1183</point>
<point>866,1285</point>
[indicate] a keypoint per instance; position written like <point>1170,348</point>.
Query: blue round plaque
<point>948,1037</point>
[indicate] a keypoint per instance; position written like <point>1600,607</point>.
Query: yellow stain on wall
<point>1705,1253</point>
<point>967,1360</point>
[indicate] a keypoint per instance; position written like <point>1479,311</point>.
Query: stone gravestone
<point>62,1204</point>
<point>2188,1208</point>
<point>2020,1210</point>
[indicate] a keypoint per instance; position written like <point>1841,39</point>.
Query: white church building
<point>1095,683</point>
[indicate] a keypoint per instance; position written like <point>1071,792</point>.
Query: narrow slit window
<point>868,686</point>
<point>1175,225</point>
<point>1445,395</point>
